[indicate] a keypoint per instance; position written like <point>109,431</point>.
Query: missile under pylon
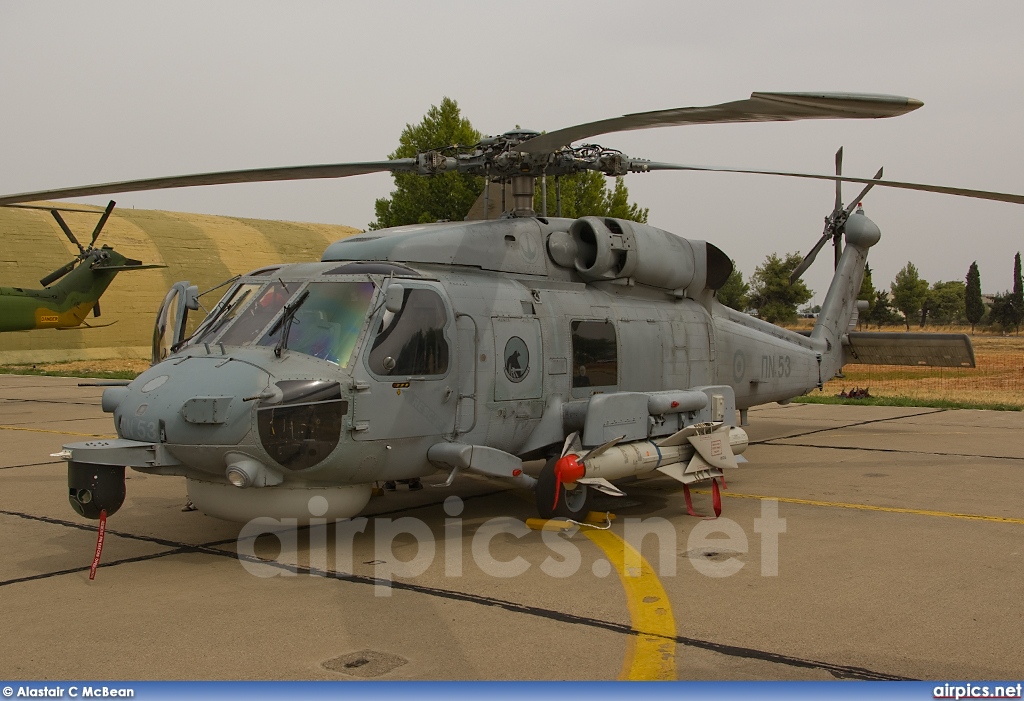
<point>693,454</point>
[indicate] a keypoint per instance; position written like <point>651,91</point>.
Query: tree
<point>945,303</point>
<point>909,292</point>
<point>881,312</point>
<point>1002,314</point>
<point>734,293</point>
<point>867,293</point>
<point>974,305</point>
<point>586,194</point>
<point>417,199</point>
<point>772,295</point>
<point>1018,293</point>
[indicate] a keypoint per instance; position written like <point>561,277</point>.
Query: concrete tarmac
<point>897,552</point>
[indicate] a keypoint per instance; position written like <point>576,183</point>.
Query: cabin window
<point>412,341</point>
<point>594,356</point>
<point>326,321</point>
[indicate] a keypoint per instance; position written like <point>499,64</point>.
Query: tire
<point>572,503</point>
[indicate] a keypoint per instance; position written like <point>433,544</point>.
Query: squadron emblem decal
<point>517,359</point>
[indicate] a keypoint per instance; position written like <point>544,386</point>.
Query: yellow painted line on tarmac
<point>870,507</point>
<point>650,655</point>
<point>61,433</point>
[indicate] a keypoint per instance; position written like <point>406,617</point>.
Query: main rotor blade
<point>67,230</point>
<point>867,188</point>
<point>128,267</point>
<point>942,189</point>
<point>256,175</point>
<point>759,107</point>
<point>101,222</point>
<point>50,208</point>
<point>809,258</point>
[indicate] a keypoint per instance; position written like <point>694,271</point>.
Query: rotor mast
<point>523,189</point>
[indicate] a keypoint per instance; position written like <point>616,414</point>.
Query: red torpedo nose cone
<point>569,469</point>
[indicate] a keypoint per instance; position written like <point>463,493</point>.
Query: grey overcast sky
<point>99,91</point>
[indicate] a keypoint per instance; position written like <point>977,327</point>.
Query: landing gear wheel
<point>572,503</point>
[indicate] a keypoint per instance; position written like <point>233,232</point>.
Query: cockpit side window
<point>594,357</point>
<point>412,341</point>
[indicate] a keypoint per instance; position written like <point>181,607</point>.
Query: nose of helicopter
<point>242,436</point>
<point>191,401</point>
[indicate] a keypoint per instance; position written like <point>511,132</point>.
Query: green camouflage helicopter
<point>82,282</point>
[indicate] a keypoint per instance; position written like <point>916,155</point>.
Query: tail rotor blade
<point>67,231</point>
<point>809,258</point>
<point>100,223</point>
<point>839,183</point>
<point>867,188</point>
<point>96,309</point>
<point>58,274</point>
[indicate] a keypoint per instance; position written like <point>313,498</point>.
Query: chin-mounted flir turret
<point>93,489</point>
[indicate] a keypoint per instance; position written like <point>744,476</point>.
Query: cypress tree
<point>1017,300</point>
<point>975,305</point>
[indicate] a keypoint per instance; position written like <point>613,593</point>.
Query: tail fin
<point>841,301</point>
<point>78,292</point>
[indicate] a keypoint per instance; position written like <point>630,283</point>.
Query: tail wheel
<point>572,503</point>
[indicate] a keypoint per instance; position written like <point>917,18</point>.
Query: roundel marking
<point>739,366</point>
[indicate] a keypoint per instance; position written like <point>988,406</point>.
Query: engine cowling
<point>603,248</point>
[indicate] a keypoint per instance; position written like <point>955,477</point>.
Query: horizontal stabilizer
<point>945,350</point>
<point>85,325</point>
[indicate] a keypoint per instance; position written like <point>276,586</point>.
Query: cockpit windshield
<point>327,322</point>
<point>225,311</point>
<point>323,319</point>
<point>255,317</point>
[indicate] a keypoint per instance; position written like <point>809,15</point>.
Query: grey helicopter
<point>595,344</point>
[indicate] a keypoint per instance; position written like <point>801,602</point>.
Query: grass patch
<point>908,402</point>
<point>86,373</point>
<point>113,369</point>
